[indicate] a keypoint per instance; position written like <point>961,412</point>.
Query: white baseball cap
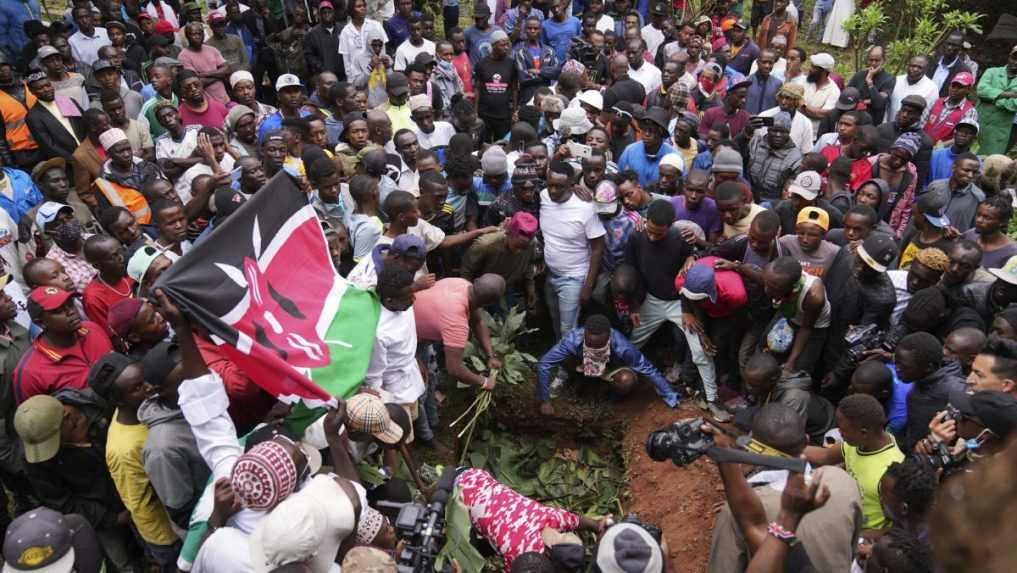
<point>823,60</point>
<point>287,80</point>
<point>806,185</point>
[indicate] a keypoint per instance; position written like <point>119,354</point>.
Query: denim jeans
<point>427,410</point>
<point>819,15</point>
<point>562,294</point>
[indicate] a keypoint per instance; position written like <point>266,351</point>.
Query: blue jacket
<point>622,350</point>
<point>762,95</point>
<point>13,15</point>
<point>634,158</point>
<point>26,195</point>
<point>941,164</point>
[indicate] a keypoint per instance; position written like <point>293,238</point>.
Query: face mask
<point>445,65</point>
<point>69,233</point>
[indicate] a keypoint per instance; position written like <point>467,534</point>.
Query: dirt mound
<point>681,501</point>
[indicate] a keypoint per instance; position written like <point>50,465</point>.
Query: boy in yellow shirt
<point>867,450</point>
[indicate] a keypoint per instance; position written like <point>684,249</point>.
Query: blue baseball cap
<point>932,204</point>
<point>700,283</point>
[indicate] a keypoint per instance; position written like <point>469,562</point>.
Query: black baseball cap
<point>849,99</point>
<point>997,411</point>
<point>878,251</point>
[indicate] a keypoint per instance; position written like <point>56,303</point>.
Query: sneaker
<point>718,412</point>
<point>558,383</point>
<point>673,374</point>
<point>701,402</point>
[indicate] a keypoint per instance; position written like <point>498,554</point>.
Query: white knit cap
<point>111,137</point>
<point>673,160</point>
<point>240,75</point>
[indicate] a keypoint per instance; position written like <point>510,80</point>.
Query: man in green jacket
<point>997,103</point>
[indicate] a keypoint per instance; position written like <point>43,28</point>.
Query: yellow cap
<point>814,215</point>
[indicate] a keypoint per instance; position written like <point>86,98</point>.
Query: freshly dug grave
<point>550,459</point>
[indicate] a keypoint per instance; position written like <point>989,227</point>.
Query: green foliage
<point>580,480</point>
<point>863,24</point>
<point>929,22</point>
<point>515,364</point>
<point>515,367</point>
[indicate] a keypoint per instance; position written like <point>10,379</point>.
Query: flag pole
<point>408,459</point>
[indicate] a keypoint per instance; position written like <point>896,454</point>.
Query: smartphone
<point>235,177</point>
<point>761,121</point>
<point>580,151</point>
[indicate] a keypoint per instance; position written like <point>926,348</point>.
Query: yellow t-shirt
<point>868,468</point>
<point>741,227</point>
<point>124,445</point>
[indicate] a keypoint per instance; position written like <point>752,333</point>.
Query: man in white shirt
<point>215,161</point>
<point>821,94</point>
<point>85,43</point>
<point>430,134</point>
<point>393,367</point>
<point>914,82</point>
<point>639,69</point>
<point>573,244</point>
<point>353,38</point>
<point>653,33</point>
<point>415,44</point>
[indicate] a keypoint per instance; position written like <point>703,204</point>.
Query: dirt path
<point>680,501</point>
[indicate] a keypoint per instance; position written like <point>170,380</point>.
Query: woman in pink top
<point>206,61</point>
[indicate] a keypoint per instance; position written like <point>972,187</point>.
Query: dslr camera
<point>682,442</point>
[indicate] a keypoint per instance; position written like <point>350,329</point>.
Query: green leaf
<point>478,364</point>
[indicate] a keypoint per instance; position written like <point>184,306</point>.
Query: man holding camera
<point>828,533</point>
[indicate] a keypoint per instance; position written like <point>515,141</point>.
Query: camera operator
<point>972,427</point>
<point>919,361</point>
<point>828,534</point>
<point>516,525</point>
<point>780,550</point>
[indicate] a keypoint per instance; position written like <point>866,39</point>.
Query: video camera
<point>861,339</point>
<point>423,527</point>
<point>583,52</point>
<point>684,442</point>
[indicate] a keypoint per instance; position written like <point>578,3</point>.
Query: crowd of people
<point>821,262</point>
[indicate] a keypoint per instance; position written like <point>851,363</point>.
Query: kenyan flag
<point>264,286</point>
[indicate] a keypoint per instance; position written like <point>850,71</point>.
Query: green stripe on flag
<point>350,340</point>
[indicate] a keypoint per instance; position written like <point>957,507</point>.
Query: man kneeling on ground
<point>598,352</point>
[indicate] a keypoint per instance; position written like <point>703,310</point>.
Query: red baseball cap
<point>325,4</point>
<point>964,79</point>
<point>46,298</point>
<point>163,27</point>
<point>214,17</point>
<point>144,16</point>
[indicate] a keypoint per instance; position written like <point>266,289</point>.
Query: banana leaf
<point>457,538</point>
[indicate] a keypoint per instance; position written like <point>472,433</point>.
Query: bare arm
<point>811,308</point>
<point>596,251</point>
<point>463,238</point>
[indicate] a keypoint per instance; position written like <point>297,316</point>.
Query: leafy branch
<point>514,370</point>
